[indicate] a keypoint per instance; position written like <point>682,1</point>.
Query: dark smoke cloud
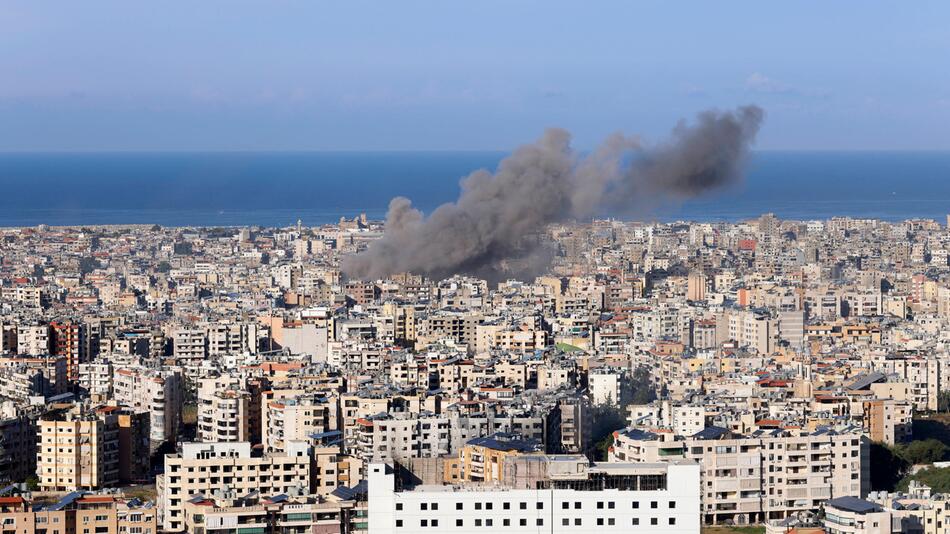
<point>491,223</point>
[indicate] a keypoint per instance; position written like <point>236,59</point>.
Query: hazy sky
<point>282,75</point>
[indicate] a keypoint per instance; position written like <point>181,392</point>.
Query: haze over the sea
<point>258,188</point>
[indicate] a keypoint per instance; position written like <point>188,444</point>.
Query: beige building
<point>206,467</point>
<point>78,449</point>
<point>78,513</point>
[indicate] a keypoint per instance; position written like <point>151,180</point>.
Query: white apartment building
<point>223,413</point>
<point>95,378</point>
<point>401,436</point>
<point>33,340</point>
<point>206,467</point>
<point>764,476</point>
<point>604,387</point>
<point>158,392</point>
<point>575,497</point>
<point>295,418</point>
<point>189,344</point>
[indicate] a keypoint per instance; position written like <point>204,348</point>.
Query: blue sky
<point>407,75</point>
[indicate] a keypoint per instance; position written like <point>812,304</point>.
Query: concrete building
<point>78,449</point>
<point>764,476</point>
<point>159,393</point>
<point>629,497</point>
<point>79,512</point>
<point>202,468</point>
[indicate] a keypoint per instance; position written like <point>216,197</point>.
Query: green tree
<point>938,478</point>
<point>925,451</point>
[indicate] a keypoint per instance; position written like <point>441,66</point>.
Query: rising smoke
<point>495,217</point>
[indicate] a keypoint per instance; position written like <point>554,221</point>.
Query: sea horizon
<point>277,188</point>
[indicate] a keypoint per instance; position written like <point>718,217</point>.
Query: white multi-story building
<point>604,387</point>
<point>224,412</point>
<point>33,340</point>
<point>764,476</point>
<point>159,392</point>
<point>574,497</point>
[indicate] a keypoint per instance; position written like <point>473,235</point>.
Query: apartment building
<point>68,339</point>
<point>605,386</point>
<point>79,512</point>
<point>189,344</point>
<point>401,436</point>
<point>763,476</point>
<point>78,449</point>
<point>483,459</point>
<point>159,393</point>
<point>295,416</point>
<point>224,411</point>
<point>220,515</point>
<point>96,379</point>
<point>33,340</point>
<point>201,468</point>
<point>888,420</point>
<point>573,496</point>
<point>17,446</point>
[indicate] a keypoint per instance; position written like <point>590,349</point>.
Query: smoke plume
<point>494,218</point>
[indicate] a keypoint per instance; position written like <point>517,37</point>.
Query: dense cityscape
<point>655,376</point>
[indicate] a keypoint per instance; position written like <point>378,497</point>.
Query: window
<point>435,506</point>
<point>478,522</point>
<point>424,506</point>
<point>654,504</point>
<point>506,505</point>
<point>459,523</point>
<point>600,505</point>
<point>478,506</point>
<point>540,505</point>
<point>610,505</point>
<point>672,520</point>
<point>506,522</point>
<point>636,521</point>
<point>672,504</point>
<point>399,522</point>
<point>458,506</point>
<point>577,505</point>
<point>524,506</point>
<point>488,505</point>
<point>610,521</point>
<point>653,521</point>
<point>523,522</point>
<point>565,522</point>
<point>423,522</point>
<point>488,522</point>
<point>577,522</point>
<point>636,504</point>
<point>398,506</point>
<point>539,522</point>
<point>565,505</point>
<point>600,521</point>
<point>435,522</point>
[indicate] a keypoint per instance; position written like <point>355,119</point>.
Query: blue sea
<point>276,189</point>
